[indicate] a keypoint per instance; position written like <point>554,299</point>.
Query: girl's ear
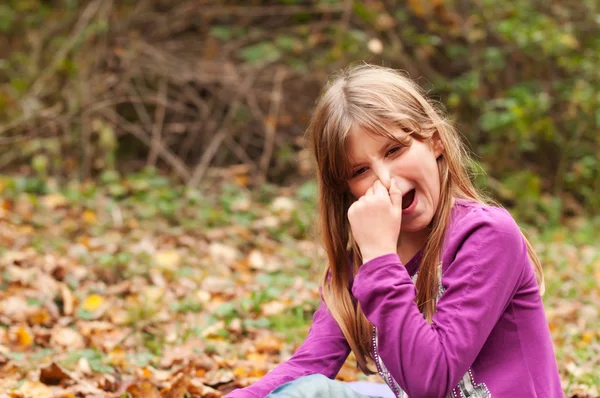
<point>438,148</point>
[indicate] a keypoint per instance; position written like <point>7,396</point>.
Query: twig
<point>81,24</point>
<point>205,111</point>
<point>159,118</point>
<point>210,152</point>
<point>271,123</point>
<point>240,152</point>
<point>140,134</point>
<point>140,109</point>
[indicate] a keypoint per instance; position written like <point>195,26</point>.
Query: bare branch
<point>271,123</point>
<point>179,167</point>
<point>224,130</point>
<point>159,117</point>
<point>82,23</point>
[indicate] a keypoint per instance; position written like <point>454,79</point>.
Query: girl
<point>437,289</point>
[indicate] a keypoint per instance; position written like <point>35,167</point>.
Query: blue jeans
<point>320,386</point>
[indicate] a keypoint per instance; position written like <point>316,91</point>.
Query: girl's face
<point>374,157</point>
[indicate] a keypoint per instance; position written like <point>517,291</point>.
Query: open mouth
<point>408,199</point>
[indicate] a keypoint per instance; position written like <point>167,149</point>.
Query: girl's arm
<point>324,351</point>
<point>428,360</point>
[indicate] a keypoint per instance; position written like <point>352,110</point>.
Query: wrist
<point>371,255</point>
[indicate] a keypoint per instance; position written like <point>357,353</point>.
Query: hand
<point>375,220</point>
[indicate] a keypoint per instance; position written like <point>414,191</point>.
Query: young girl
<point>426,282</point>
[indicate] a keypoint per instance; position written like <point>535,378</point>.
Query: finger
<point>395,193</point>
<point>379,188</point>
<point>370,191</point>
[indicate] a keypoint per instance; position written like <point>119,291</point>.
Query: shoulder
<point>470,215</point>
<point>482,225</point>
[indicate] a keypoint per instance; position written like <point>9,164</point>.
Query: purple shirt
<point>489,336</point>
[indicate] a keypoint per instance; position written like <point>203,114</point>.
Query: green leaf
<point>221,32</point>
<point>261,52</point>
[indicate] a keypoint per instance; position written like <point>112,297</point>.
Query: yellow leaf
<point>587,337</point>
<point>24,338</point>
<point>146,373</point>
<point>240,371</point>
<point>89,217</point>
<point>92,303</point>
<point>168,259</point>
<point>118,357</point>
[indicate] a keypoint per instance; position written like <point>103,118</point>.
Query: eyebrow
<point>384,148</point>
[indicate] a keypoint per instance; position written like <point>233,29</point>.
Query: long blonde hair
<point>379,100</point>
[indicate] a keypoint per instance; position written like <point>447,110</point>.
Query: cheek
<point>358,188</point>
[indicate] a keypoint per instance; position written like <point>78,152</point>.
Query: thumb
<point>395,194</point>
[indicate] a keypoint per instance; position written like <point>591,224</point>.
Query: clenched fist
<point>375,219</point>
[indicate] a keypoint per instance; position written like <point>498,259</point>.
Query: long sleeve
<point>480,278</point>
<point>323,351</point>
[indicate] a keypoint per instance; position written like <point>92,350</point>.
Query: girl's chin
<point>417,224</point>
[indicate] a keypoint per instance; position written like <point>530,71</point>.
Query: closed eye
<point>393,150</point>
<point>359,172</point>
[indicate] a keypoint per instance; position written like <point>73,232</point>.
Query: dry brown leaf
<point>54,375</point>
<point>143,389</point>
<point>67,338</point>
<point>196,387</point>
<point>217,377</point>
<point>177,389</point>
<point>108,383</point>
<point>269,345</point>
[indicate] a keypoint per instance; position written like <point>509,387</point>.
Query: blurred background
<point>163,141</point>
<point>185,86</point>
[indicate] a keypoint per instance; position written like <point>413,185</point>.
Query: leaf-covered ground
<point>138,287</point>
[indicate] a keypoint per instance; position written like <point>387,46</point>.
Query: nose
<point>384,175</point>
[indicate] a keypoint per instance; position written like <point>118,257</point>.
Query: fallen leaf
<point>92,303</point>
<point>67,299</point>
<point>23,337</point>
<point>196,387</point>
<point>177,389</point>
<point>143,389</point>
<point>66,338</point>
<point>268,345</point>
<point>53,201</point>
<point>89,217</point>
<point>273,308</point>
<point>168,259</point>
<point>83,365</point>
<point>54,375</point>
<point>35,389</point>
